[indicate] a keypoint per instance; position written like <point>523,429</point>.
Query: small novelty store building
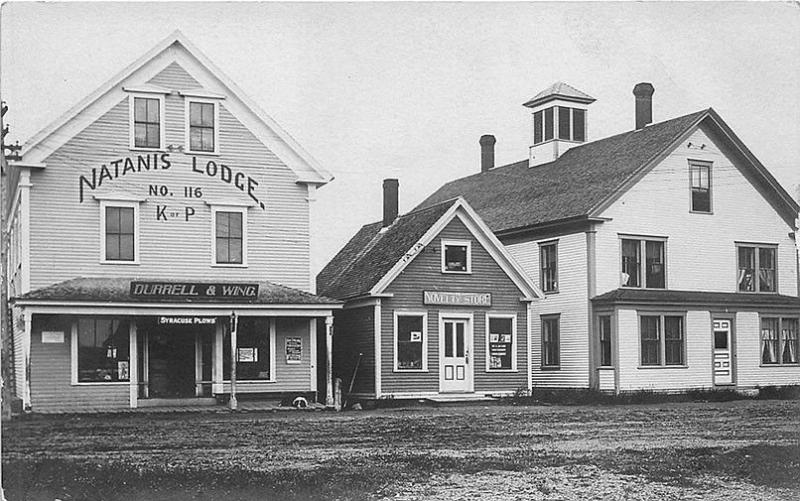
<point>434,307</point>
<point>159,247</point>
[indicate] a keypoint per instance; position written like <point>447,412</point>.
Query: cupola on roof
<point>559,90</point>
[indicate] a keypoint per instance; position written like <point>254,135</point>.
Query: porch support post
<point>133,365</point>
<point>233,402</point>
<point>27,317</point>
<point>329,362</point>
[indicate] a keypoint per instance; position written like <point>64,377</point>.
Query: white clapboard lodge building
<point>159,246</point>
<point>666,253</point>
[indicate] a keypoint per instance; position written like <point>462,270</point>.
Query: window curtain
<point>789,340</point>
<point>769,341</point>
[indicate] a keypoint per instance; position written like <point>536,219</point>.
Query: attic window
<point>700,174</point>
<point>456,256</point>
<point>202,128</point>
<point>147,122</point>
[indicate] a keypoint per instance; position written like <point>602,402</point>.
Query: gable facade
<point>167,220</point>
<point>700,252</point>
<point>448,319</point>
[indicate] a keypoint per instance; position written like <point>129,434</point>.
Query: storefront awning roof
<point>695,298</point>
<point>118,290</point>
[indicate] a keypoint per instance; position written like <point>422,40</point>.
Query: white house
<point>667,253</point>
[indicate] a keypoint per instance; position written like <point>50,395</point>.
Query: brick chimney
<point>487,143</point>
<point>644,104</point>
<point>389,201</point>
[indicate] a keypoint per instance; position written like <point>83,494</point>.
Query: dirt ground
<point>743,450</point>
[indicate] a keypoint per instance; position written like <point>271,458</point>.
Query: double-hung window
<point>229,230</point>
<point>604,328</point>
<point>780,340</point>
<point>147,121</point>
<point>119,223</point>
<point>501,343</point>
<point>548,264</point>
<point>202,119</point>
<point>757,272</point>
<point>551,341</point>
<point>650,273</point>
<point>700,179</point>
<point>662,340</point>
<point>410,345</point>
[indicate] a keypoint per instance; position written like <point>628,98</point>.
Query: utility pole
<point>5,321</point>
<point>5,332</point>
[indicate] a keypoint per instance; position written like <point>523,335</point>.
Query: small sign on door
<point>52,336</point>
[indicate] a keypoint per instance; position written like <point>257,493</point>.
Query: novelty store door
<point>456,368</point>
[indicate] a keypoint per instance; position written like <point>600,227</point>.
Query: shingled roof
<point>517,196</point>
<point>662,297</point>
<point>560,90</point>
<point>117,289</point>
<point>371,253</point>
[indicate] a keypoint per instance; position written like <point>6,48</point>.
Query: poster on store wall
<point>294,350</point>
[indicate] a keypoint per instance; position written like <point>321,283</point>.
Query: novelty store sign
<point>156,162</point>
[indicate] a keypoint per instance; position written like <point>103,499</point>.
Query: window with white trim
<point>604,334</point>
<point>757,271</point>
<point>456,256</point>
<point>662,340</point>
<point>229,236</point>
<point>103,350</point>
<point>501,343</point>
<point>548,266</point>
<point>551,341</point>
<point>700,181</point>
<point>780,340</point>
<point>147,121</point>
<point>119,222</point>
<point>410,334</point>
<point>202,129</point>
<point>651,274</point>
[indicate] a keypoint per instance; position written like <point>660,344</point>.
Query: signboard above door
<point>194,290</point>
<point>457,298</point>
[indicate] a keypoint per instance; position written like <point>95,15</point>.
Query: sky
<point>404,90</point>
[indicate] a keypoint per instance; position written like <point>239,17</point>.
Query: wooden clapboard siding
<point>701,251</point>
<point>65,234</point>
<point>51,375</point>
<point>174,77</point>
<point>698,351</point>
<point>424,273</point>
<point>353,333</point>
<point>605,378</point>
<point>571,303</point>
<point>749,371</point>
<point>288,377</point>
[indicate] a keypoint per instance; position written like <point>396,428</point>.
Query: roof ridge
<point>596,141</point>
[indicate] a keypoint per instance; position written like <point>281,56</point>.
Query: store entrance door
<point>171,363</point>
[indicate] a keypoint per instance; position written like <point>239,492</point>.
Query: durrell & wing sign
<point>194,290</point>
